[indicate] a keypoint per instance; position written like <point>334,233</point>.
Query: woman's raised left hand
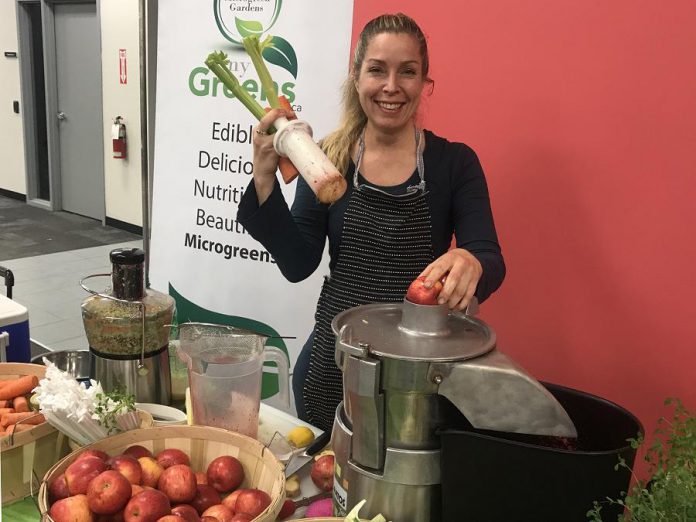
<point>463,272</point>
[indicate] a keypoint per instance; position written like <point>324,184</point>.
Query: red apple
<point>209,519</point>
<point>136,451</point>
<point>79,473</point>
<point>127,466</point>
<point>135,489</point>
<point>322,473</point>
<point>178,482</point>
<point>231,500</point>
<point>72,509</point>
<point>116,517</point>
<point>206,496</point>
<point>187,512</point>
<point>58,489</point>
<point>220,512</point>
<point>417,293</point>
<point>288,508</point>
<point>241,517</point>
<point>108,493</point>
<point>172,456</point>
<point>201,478</point>
<point>147,506</point>
<point>93,453</point>
<point>151,471</point>
<point>225,473</point>
<point>252,502</point>
<point>169,518</point>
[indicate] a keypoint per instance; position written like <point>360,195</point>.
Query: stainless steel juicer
<point>407,370</point>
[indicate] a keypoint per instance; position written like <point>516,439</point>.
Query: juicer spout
<point>494,393</point>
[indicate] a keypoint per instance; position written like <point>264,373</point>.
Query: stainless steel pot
<point>75,363</point>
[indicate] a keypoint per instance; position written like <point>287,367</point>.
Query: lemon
<point>300,436</point>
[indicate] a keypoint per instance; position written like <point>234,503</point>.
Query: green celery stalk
<point>217,63</point>
<point>254,47</point>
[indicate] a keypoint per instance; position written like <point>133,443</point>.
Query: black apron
<point>386,242</point>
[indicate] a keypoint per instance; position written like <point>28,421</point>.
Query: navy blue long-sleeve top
<point>457,195</point>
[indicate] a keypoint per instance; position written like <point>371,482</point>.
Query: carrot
<point>14,418</point>
<point>20,386</point>
<point>6,410</point>
<point>288,171</point>
<point>21,404</point>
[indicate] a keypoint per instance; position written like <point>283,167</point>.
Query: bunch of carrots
<point>15,412</point>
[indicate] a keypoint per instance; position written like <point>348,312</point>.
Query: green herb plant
<point>670,493</point>
<point>112,404</point>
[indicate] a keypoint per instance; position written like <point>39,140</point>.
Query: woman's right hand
<point>265,156</point>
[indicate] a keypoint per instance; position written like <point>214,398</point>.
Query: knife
<point>301,459</point>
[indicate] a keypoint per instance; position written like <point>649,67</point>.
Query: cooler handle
<point>4,342</point>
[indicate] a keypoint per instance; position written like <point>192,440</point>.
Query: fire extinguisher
<point>118,138</point>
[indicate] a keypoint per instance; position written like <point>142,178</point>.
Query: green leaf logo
<point>233,29</point>
<point>248,27</point>
<point>279,52</point>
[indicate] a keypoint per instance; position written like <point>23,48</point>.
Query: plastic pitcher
<point>225,366</point>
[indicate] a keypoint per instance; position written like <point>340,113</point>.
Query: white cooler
<point>14,331</point>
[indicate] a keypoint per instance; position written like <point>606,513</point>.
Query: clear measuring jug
<point>225,366</point>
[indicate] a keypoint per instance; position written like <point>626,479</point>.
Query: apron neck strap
<point>420,166</point>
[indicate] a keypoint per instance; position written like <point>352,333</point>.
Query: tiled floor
<point>49,287</point>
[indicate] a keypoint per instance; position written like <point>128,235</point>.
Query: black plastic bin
<point>501,477</point>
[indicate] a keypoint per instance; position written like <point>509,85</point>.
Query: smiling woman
<point>408,192</point>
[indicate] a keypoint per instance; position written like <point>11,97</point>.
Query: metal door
<point>79,108</point>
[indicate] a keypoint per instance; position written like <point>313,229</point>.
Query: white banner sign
<point>203,154</point>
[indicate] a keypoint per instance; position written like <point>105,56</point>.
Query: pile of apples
<point>137,486</point>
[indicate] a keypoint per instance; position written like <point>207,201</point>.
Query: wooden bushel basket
<point>203,444</point>
<point>30,452</point>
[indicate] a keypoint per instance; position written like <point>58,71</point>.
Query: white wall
<point>12,168</point>
<point>120,30</point>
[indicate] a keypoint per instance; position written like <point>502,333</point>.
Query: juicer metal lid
<point>411,332</point>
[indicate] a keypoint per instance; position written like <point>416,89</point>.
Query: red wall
<point>583,114</point>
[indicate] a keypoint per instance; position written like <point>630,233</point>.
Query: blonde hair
<point>337,145</point>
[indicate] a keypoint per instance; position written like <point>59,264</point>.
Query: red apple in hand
<point>108,493</point>
<point>178,482</point>
<point>252,502</point>
<point>172,456</point>
<point>79,473</point>
<point>417,293</point>
<point>322,473</point>
<point>225,473</point>
<point>147,506</point>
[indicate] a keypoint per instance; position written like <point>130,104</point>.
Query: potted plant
<point>670,492</point>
